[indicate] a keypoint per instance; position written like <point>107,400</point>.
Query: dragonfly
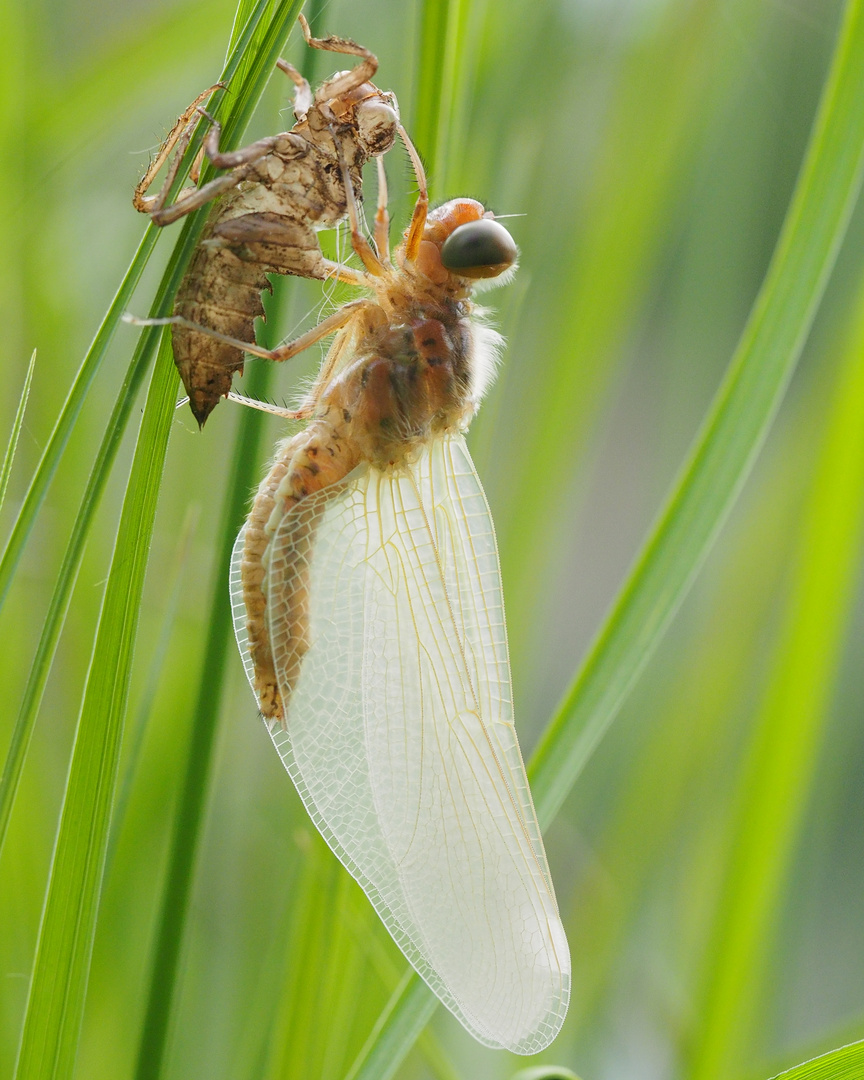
<point>369,614</point>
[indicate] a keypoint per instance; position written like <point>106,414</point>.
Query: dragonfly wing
<point>400,736</point>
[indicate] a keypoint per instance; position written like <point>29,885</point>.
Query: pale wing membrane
<point>238,607</point>
<point>400,736</point>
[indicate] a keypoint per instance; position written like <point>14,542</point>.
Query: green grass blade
<point>59,605</point>
<point>719,464</point>
<point>407,1012</point>
<point>777,777</point>
<point>175,573</point>
<point>733,432</point>
<point>189,818</point>
<point>609,267</point>
<point>241,18</point>
<point>167,951</point>
<point>69,415</point>
<point>434,20</point>
<point>92,361</point>
<point>58,987</point>
<point>103,463</point>
<point>12,445</point>
<point>845,1063</point>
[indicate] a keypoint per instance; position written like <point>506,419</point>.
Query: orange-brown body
<point>404,370</point>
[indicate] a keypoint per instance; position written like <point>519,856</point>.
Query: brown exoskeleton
<point>278,193</point>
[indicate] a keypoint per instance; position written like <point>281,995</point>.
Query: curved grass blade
<point>69,415</point>
<point>777,775</point>
<point>12,446</point>
<point>845,1063</point>
<point>101,469</point>
<point>175,575</point>
<point>718,465</point>
<point>188,821</point>
<point>58,986</point>
<point>56,1001</point>
<point>733,432</point>
<point>408,1011</point>
<point>59,605</point>
<point>90,365</point>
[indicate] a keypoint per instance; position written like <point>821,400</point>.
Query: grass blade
<point>155,1030</point>
<point>733,432</point>
<point>845,1063</point>
<point>407,1012</point>
<point>59,605</point>
<point>69,415</point>
<point>58,987</point>
<point>104,461</point>
<point>784,752</point>
<point>95,354</point>
<point>719,463</point>
<point>433,35</point>
<point>12,446</point>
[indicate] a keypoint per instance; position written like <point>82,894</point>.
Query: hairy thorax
<point>410,383</point>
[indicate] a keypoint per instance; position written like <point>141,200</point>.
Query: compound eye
<point>479,249</point>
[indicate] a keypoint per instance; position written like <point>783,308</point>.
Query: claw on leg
<point>302,89</point>
<point>265,406</point>
<point>359,243</point>
<point>346,81</point>
<point>178,137</point>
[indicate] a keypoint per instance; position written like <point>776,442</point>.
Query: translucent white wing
<point>400,735</point>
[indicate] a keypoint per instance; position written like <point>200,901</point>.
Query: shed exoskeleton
<point>279,191</point>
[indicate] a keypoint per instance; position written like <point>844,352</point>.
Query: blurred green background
<point>651,147</point>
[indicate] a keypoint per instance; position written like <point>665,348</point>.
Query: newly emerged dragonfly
<point>368,610</point>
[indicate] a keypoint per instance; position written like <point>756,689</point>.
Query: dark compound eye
<point>479,249</point>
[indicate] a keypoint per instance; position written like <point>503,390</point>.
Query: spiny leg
<point>421,207</point>
<point>382,217</point>
<point>335,353</point>
<point>149,204</point>
<point>262,406</point>
<point>346,81</point>
<point>265,406</point>
<point>337,272</point>
<point>361,245</point>
<point>198,197</point>
<point>302,89</point>
<point>238,161</point>
<point>179,136</point>
<point>248,155</point>
<point>284,352</point>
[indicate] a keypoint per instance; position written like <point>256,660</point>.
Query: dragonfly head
<point>464,239</point>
